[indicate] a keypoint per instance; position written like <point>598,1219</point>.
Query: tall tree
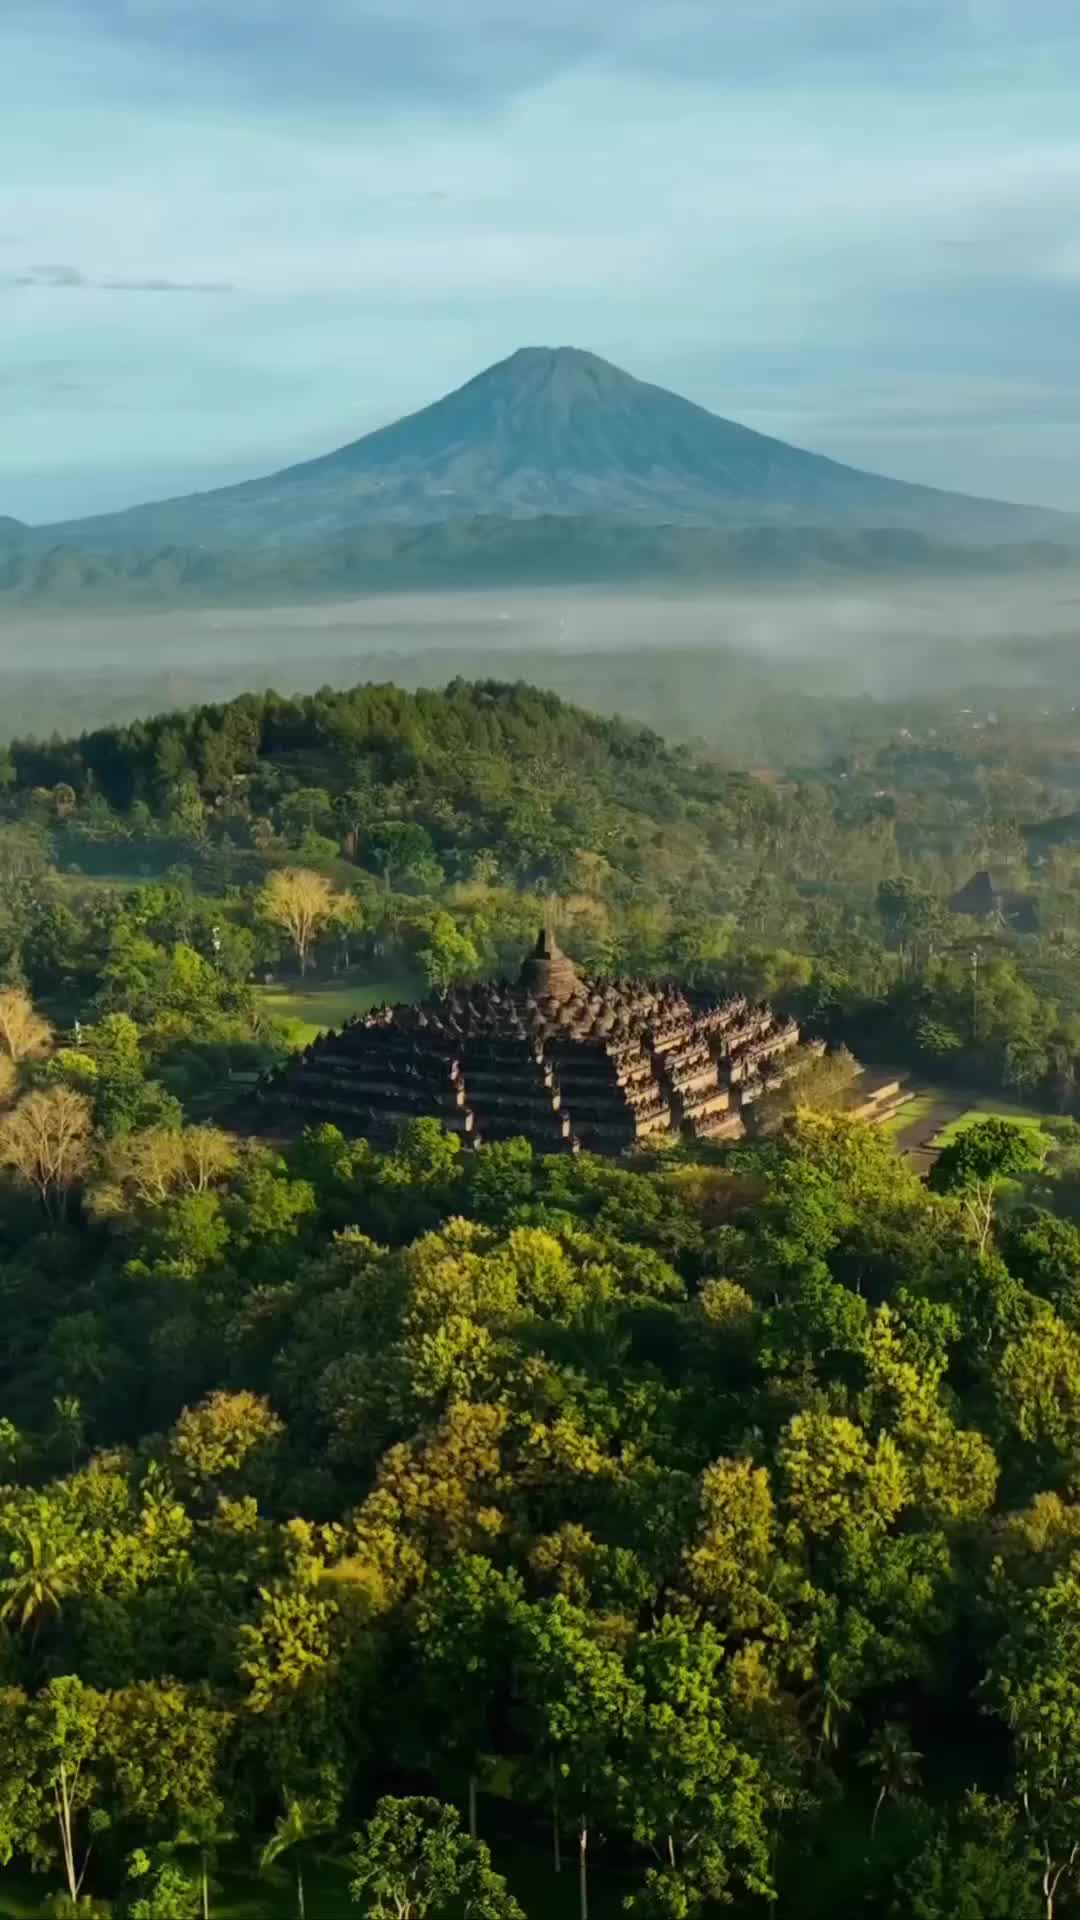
<point>411,1861</point>
<point>25,1034</point>
<point>582,1706</point>
<point>464,1622</point>
<point>894,1763</point>
<point>974,1165</point>
<point>45,1141</point>
<point>690,1790</point>
<point>303,1823</point>
<point>302,903</point>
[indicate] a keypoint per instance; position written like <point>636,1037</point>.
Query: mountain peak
<point>553,372</point>
<point>551,360</point>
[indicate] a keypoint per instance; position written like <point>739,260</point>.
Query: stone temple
<point>565,1060</point>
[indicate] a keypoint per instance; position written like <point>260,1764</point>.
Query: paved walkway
<point>919,1134</point>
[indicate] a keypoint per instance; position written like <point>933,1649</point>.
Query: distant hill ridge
<point>493,552</point>
<point>556,432</point>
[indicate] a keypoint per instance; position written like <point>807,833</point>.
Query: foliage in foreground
<point>684,1506</point>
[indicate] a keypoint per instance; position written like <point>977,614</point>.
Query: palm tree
<point>34,1590</point>
<point>834,1708</point>
<point>895,1762</point>
<point>302,1822</point>
<point>205,1832</point>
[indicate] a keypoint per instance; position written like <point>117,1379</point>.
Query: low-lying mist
<point>757,675</point>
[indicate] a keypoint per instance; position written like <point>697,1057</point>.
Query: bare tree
<point>45,1141</point>
<point>209,1154</point>
<point>303,903</point>
<point>145,1168</point>
<point>25,1034</point>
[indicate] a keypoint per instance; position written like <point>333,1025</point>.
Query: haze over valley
<point>696,665</point>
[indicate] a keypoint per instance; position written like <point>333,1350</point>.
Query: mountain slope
<point>555,431</point>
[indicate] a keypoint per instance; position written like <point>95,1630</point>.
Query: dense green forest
<point>707,1530</point>
<point>418,1531</point>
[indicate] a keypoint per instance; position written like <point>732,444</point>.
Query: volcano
<point>557,431</point>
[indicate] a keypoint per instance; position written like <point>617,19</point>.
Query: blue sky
<point>234,233</point>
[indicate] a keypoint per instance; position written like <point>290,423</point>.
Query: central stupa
<point>556,1056</point>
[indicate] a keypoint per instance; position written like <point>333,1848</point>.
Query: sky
<point>237,233</point>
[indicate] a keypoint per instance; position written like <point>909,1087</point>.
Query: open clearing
<point>311,1010</point>
<point>934,1115</point>
<point>993,1108</point>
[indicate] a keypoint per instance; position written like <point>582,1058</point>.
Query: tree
<point>45,1140</point>
<point>836,1483</point>
<point>689,1788</point>
<point>974,1164</point>
<point>464,1618</point>
<point>1034,1686</point>
<point>25,1034</point>
<point>25,1810</point>
<point>303,1822</point>
<point>34,1590</point>
<point>301,902</point>
<point>1038,1381</point>
<point>912,919</point>
<point>895,1764</point>
<point>173,1893</point>
<point>226,1435</point>
<point>205,1830</point>
<point>146,1168</point>
<point>582,1705</point>
<point>449,955</point>
<point>402,848</point>
<point>982,1865</point>
<point>727,1565</point>
<point>60,1757</point>
<point>411,1860</point>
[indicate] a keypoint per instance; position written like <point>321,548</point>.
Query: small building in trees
<point>984,897</point>
<point>566,1060</point>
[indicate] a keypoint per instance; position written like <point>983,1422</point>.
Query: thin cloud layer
<point>770,205</point>
<point>70,279</point>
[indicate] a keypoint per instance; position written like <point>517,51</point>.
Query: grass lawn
<point>968,1109</point>
<point>909,1114</point>
<point>993,1108</point>
<point>310,1010</point>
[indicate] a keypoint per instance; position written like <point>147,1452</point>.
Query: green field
<point>993,1108</point>
<point>310,1010</point>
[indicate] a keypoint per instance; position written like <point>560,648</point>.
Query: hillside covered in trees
<point>148,869</point>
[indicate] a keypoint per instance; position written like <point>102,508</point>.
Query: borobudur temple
<point>563,1059</point>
